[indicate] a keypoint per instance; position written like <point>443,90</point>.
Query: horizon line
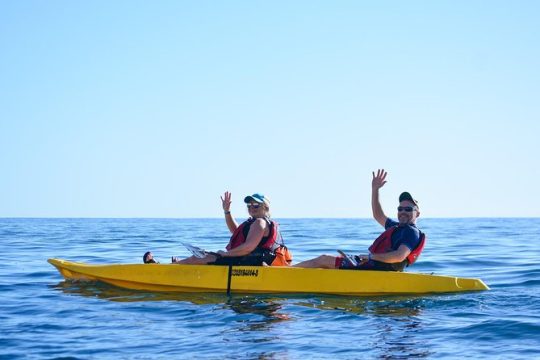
<point>279,217</point>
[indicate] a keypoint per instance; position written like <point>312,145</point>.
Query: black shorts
<point>371,265</point>
<point>253,259</point>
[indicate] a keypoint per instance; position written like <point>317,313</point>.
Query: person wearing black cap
<point>397,247</point>
<point>252,242</point>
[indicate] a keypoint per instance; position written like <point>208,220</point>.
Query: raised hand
<point>226,201</point>
<point>378,180</point>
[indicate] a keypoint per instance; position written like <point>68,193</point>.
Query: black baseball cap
<point>405,196</point>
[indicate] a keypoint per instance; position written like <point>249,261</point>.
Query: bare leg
<point>323,261</point>
<point>192,260</point>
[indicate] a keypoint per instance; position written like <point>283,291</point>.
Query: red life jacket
<point>383,244</point>
<point>240,235</point>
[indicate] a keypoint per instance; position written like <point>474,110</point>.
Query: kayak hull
<point>257,279</point>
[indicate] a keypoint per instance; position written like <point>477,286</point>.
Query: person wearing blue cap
<point>253,242</point>
<point>397,247</point>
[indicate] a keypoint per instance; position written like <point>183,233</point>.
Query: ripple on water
<point>42,315</point>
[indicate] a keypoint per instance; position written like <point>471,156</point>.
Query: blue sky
<point>154,109</point>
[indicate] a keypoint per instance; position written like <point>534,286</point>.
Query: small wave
<point>501,329</point>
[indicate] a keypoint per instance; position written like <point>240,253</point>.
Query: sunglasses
<point>253,206</point>
<point>405,208</point>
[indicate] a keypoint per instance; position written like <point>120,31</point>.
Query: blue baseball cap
<point>259,198</point>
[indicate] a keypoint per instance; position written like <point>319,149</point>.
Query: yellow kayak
<point>258,279</point>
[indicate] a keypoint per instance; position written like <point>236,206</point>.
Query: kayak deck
<point>258,279</point>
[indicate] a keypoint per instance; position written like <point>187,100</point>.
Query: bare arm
<point>377,183</point>
<point>226,203</point>
<point>395,256</point>
<point>254,237</point>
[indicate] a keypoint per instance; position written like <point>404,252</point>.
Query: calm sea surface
<point>43,316</point>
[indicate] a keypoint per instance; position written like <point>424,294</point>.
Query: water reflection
<point>393,324</point>
<point>257,321</point>
<point>253,315</point>
<point>261,304</point>
<point>268,308</point>
<point>104,291</point>
<point>398,338</point>
<point>398,326</point>
<point>399,306</point>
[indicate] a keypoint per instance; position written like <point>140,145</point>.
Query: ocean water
<point>43,316</point>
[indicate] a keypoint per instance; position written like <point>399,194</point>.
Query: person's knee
<point>326,261</point>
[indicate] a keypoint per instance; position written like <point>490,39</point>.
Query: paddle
<point>197,251</point>
<point>349,258</point>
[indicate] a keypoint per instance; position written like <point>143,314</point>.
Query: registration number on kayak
<point>245,272</point>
